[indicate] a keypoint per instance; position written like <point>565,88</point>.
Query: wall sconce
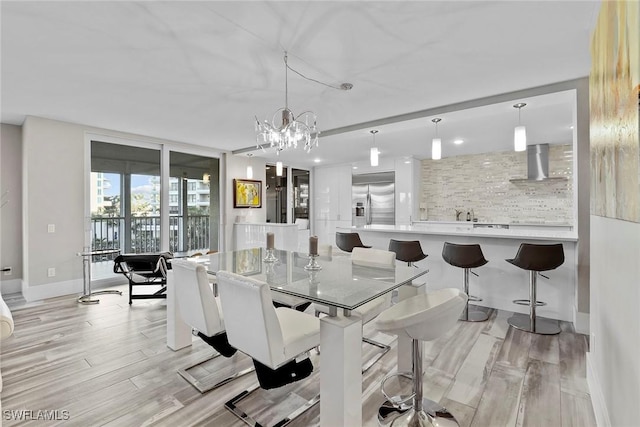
<point>206,178</point>
<point>279,168</point>
<point>249,172</point>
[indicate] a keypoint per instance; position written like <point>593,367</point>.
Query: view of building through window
<point>126,206</point>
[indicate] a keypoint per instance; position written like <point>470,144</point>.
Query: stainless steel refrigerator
<point>373,199</point>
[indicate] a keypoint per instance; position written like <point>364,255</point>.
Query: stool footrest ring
<point>528,302</point>
<point>398,401</point>
<point>473,298</point>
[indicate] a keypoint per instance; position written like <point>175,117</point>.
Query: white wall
<point>53,191</point>
<point>614,352</point>
<point>11,211</point>
<point>236,167</point>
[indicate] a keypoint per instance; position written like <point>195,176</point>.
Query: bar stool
<point>536,258</point>
<point>408,251</point>
<point>348,241</point>
<point>466,257</point>
<point>423,317</point>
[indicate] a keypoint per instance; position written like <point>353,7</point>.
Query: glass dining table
<point>341,284</point>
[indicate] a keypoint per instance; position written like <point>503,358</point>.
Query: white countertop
<point>510,223</point>
<point>451,229</point>
<point>265,224</point>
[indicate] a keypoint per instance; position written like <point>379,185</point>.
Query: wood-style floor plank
<point>540,401</point>
<point>108,364</point>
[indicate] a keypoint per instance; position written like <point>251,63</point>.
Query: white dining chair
<point>201,310</point>
<point>277,339</point>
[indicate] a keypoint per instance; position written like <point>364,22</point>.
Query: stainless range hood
<point>537,165</point>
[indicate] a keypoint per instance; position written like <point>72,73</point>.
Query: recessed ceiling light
<point>316,160</point>
<point>268,167</point>
<point>406,162</point>
<point>458,141</point>
<point>355,167</point>
<point>571,127</point>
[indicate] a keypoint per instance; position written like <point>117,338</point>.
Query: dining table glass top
<point>340,282</point>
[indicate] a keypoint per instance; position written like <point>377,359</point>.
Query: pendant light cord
<point>286,82</point>
<point>344,86</point>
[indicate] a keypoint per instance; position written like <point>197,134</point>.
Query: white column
<point>178,332</point>
<point>341,371</point>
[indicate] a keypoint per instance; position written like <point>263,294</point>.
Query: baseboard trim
<point>12,286</point>
<point>581,321</point>
<point>51,290</point>
<point>597,398</point>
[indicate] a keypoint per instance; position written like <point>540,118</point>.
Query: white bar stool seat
<point>423,317</point>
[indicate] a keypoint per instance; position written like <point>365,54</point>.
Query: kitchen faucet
<point>458,212</point>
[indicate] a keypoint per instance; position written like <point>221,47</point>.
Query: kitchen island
<point>499,282</point>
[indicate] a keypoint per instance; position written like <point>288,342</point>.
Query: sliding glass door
<point>194,208</point>
<point>126,208</point>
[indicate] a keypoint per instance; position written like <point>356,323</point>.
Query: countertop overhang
<point>523,233</point>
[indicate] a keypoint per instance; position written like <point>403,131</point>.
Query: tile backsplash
<point>481,182</point>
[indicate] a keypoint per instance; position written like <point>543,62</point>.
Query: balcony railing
<point>109,233</point>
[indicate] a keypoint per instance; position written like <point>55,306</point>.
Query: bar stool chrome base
<point>472,314</point>
<point>432,415</point>
<point>537,325</point>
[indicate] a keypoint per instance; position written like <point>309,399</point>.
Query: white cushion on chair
<point>199,308</point>
<point>6,320</point>
<point>424,317</point>
<point>300,331</point>
<point>272,337</point>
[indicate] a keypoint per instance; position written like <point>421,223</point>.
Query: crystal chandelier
<point>285,129</point>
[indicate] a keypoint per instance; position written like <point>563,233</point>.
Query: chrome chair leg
<point>202,387</point>
<point>232,405</point>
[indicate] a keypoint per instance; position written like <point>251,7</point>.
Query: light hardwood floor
<point>108,364</point>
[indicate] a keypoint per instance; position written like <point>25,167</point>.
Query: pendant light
<point>279,168</point>
<point>373,154</point>
<point>520,132</point>
<point>436,143</point>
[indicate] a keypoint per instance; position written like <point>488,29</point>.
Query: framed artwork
<point>247,193</point>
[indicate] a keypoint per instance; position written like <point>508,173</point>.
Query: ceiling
<point>198,72</point>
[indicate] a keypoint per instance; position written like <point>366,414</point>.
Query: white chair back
<point>6,320</point>
<point>250,318</point>
<point>303,224</point>
<point>373,256</point>
<point>197,304</point>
